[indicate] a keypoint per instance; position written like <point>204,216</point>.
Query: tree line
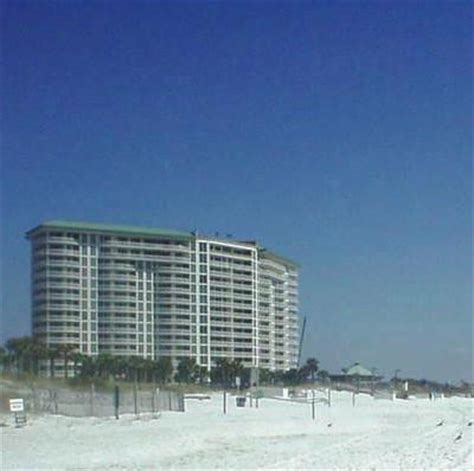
<point>28,355</point>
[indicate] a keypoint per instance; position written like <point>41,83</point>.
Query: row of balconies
<point>229,268</point>
<point>57,305</point>
<point>67,284</point>
<point>144,252</point>
<point>231,275</point>
<point>42,317</point>
<point>147,245</point>
<point>117,256</point>
<point>233,290</point>
<point>230,283</point>
<point>228,252</point>
<point>58,239</point>
<point>161,324</point>
<point>58,263</point>
<point>41,273</point>
<point>69,335</point>
<point>117,275</point>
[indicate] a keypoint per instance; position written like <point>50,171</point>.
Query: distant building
<point>356,374</point>
<point>153,293</point>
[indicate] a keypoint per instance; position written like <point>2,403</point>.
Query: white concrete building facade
<point>161,293</point>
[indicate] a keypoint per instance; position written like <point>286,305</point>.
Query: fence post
<point>169,401</point>
<point>135,407</point>
<point>156,394</point>
<point>55,399</point>
<point>313,409</point>
<point>353,399</point>
<point>92,394</point>
<point>117,401</point>
<point>224,402</point>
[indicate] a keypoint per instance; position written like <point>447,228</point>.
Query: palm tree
<point>322,375</point>
<point>65,350</point>
<point>148,368</point>
<point>186,371</point>
<point>17,348</point>
<point>221,372</point>
<point>236,370</point>
<point>137,366</point>
<point>163,370</point>
<point>264,376</point>
<point>52,353</point>
<point>78,360</point>
<point>105,364</point>
<point>88,366</point>
<point>311,367</point>
<point>120,366</point>
<point>202,375</point>
<point>38,351</point>
<point>3,359</point>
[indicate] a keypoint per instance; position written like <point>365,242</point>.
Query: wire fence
<point>92,403</point>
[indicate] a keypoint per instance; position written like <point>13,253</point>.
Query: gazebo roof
<point>358,370</point>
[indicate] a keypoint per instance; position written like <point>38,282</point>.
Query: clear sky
<point>336,133</point>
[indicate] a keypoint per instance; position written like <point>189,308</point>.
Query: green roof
<point>358,370</point>
<point>116,229</point>
<point>142,231</point>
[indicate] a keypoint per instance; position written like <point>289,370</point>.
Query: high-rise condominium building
<point>162,293</point>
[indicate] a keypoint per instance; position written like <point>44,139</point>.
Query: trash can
<point>240,401</point>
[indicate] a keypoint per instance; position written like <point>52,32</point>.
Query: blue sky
<point>339,134</point>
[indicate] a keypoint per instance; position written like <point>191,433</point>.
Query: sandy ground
<point>375,434</point>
